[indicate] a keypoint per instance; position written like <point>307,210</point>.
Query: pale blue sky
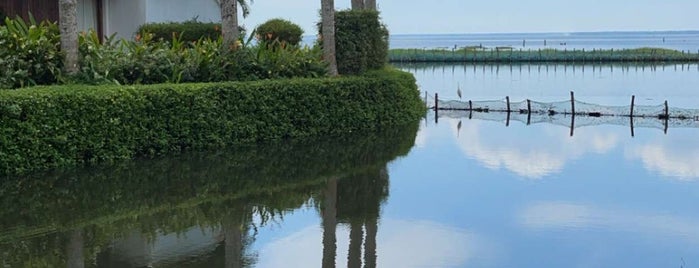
<point>504,16</point>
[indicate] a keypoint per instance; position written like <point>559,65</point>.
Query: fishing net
<point>567,113</point>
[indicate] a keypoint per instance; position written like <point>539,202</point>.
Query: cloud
<point>531,152</point>
<point>679,162</point>
<point>576,217</point>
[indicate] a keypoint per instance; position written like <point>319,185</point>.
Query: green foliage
<point>150,62</point>
<point>278,30</point>
<point>188,31</point>
<point>68,125</point>
<point>173,194</point>
<point>361,41</point>
<point>479,54</point>
<point>30,53</point>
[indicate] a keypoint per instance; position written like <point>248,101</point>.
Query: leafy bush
<point>188,31</point>
<point>361,40</point>
<point>30,53</point>
<point>67,125</point>
<point>279,30</point>
<point>148,62</point>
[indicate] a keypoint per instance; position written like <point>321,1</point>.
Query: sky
<point>499,16</point>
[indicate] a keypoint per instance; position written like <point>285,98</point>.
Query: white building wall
<point>123,17</point>
<point>182,10</point>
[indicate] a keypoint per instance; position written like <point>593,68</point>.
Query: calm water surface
<point>451,193</point>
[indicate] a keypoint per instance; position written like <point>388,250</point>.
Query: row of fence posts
<point>497,51</point>
<point>665,116</point>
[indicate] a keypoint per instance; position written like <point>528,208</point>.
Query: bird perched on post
<point>458,90</point>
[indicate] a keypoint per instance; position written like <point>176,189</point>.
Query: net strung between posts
<point>561,113</point>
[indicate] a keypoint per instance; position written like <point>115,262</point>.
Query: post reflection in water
<point>200,209</point>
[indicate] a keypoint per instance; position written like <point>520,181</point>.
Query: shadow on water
<point>200,209</point>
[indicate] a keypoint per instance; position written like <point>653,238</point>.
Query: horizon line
<point>556,32</point>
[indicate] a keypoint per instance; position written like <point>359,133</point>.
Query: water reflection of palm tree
<point>355,200</point>
<point>75,250</point>
<point>329,213</point>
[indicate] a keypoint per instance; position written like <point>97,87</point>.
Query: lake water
<point>447,191</point>
<point>678,40</point>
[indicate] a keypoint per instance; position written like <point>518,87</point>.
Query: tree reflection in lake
<point>200,209</point>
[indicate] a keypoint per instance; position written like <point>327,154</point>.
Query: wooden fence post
<point>436,101</point>
<point>507,98</point>
<point>572,102</point>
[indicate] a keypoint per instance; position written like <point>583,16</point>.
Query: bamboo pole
<point>507,98</point>
<point>436,101</point>
<point>632,133</point>
<point>529,112</point>
<point>470,105</point>
<point>667,116</point>
<point>633,99</point>
<point>572,102</point>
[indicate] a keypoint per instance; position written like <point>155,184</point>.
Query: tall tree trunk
<point>328,35</point>
<point>357,4</point>
<point>354,258</point>
<point>233,236</point>
<point>229,23</point>
<point>68,24</point>
<point>74,251</point>
<point>370,244</point>
<point>329,213</point>
<point>370,4</point>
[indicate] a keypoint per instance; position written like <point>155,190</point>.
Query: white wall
<point>182,10</point>
<point>123,17</point>
<point>87,15</point>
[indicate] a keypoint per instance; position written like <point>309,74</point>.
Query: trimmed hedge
<point>361,40</point>
<point>279,30</point>
<point>58,126</point>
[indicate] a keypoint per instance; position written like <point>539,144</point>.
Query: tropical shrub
<point>280,31</point>
<point>56,126</point>
<point>361,41</point>
<point>30,53</point>
<point>187,31</point>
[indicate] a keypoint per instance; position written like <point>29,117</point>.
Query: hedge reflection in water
<point>80,217</point>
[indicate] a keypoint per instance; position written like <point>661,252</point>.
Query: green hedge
<point>57,126</point>
<point>279,30</point>
<point>188,31</point>
<point>361,40</point>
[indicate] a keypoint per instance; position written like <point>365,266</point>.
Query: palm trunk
<point>68,23</point>
<point>229,23</point>
<point>328,35</point>
<point>75,252</point>
<point>357,4</point>
<point>354,258</point>
<point>370,243</point>
<point>329,212</point>
<point>370,5</point>
<point>233,235</point>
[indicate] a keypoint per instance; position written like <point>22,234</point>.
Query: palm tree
<point>68,23</point>
<point>357,4</point>
<point>370,5</point>
<point>328,34</point>
<point>229,20</point>
<point>364,4</point>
